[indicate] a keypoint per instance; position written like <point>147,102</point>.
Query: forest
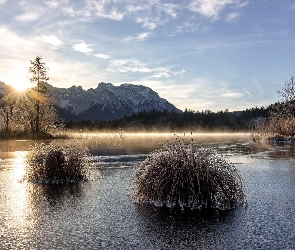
<point>155,121</point>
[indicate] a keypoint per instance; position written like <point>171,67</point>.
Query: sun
<point>21,86</point>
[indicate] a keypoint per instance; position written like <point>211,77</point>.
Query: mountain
<point>4,87</point>
<point>107,102</point>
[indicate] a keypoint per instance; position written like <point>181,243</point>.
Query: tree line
<point>177,121</point>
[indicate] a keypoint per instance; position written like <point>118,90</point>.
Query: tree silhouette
<point>39,75</point>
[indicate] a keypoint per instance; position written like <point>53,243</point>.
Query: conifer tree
<point>39,75</point>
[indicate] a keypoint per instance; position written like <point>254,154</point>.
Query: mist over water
<point>101,214</point>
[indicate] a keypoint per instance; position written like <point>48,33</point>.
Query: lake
<point>101,214</point>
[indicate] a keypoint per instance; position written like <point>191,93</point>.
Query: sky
<point>197,54</point>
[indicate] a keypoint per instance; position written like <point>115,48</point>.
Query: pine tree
<point>39,75</point>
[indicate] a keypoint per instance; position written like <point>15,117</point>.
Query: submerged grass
<point>53,163</point>
<point>186,176</point>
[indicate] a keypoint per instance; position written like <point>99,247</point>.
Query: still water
<point>100,214</point>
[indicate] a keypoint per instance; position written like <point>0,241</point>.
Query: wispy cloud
<point>52,40</point>
<point>233,95</point>
<point>210,8</point>
<point>83,47</point>
<point>129,65</point>
<point>188,26</point>
<point>247,92</point>
<point>138,37</point>
<point>115,14</point>
<point>152,14</point>
<point>102,56</point>
<point>233,16</point>
<point>28,17</point>
<point>30,12</point>
<point>148,23</point>
<point>93,9</point>
<point>15,42</point>
<point>136,66</point>
<point>53,4</point>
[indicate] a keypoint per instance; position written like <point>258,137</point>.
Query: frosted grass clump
<point>55,164</point>
<point>186,176</point>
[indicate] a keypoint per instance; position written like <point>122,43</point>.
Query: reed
<point>186,176</point>
<point>53,163</point>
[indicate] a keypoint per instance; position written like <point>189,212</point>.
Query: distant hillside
<point>222,121</point>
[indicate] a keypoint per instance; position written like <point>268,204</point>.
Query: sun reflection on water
<point>19,190</point>
<point>17,197</point>
<point>19,169</point>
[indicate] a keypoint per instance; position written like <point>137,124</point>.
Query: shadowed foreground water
<point>100,214</point>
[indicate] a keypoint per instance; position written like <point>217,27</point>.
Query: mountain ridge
<point>108,102</point>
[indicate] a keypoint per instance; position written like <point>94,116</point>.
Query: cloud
<point>188,26</point>
<point>179,94</point>
<point>52,40</point>
<point>3,1</point>
<point>11,41</point>
<point>138,36</point>
<point>247,92</point>
<point>28,17</point>
<point>52,4</point>
<point>150,14</point>
<point>210,8</point>
<point>92,8</point>
<point>83,47</point>
<point>147,22</point>
<point>30,11</point>
<point>232,95</point>
<point>102,56</point>
<point>233,16</point>
<point>162,74</point>
<point>129,65</point>
<point>136,66</point>
<point>115,14</point>
<point>170,9</point>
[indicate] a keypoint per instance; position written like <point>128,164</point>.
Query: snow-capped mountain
<point>109,102</point>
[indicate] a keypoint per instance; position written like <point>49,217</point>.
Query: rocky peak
<point>120,100</point>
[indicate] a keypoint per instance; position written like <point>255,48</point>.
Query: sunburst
<point>21,86</point>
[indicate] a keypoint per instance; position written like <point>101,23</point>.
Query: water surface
<point>100,214</point>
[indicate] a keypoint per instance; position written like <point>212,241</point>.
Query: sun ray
<point>21,86</point>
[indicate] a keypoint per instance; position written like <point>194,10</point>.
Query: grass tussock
<point>186,176</point>
<point>52,163</point>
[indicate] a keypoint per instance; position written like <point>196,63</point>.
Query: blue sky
<point>197,54</point>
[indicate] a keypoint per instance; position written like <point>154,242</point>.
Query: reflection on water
<point>100,214</point>
<point>182,229</point>
<point>19,165</point>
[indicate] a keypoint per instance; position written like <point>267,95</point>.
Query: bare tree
<point>9,111</point>
<point>282,116</point>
